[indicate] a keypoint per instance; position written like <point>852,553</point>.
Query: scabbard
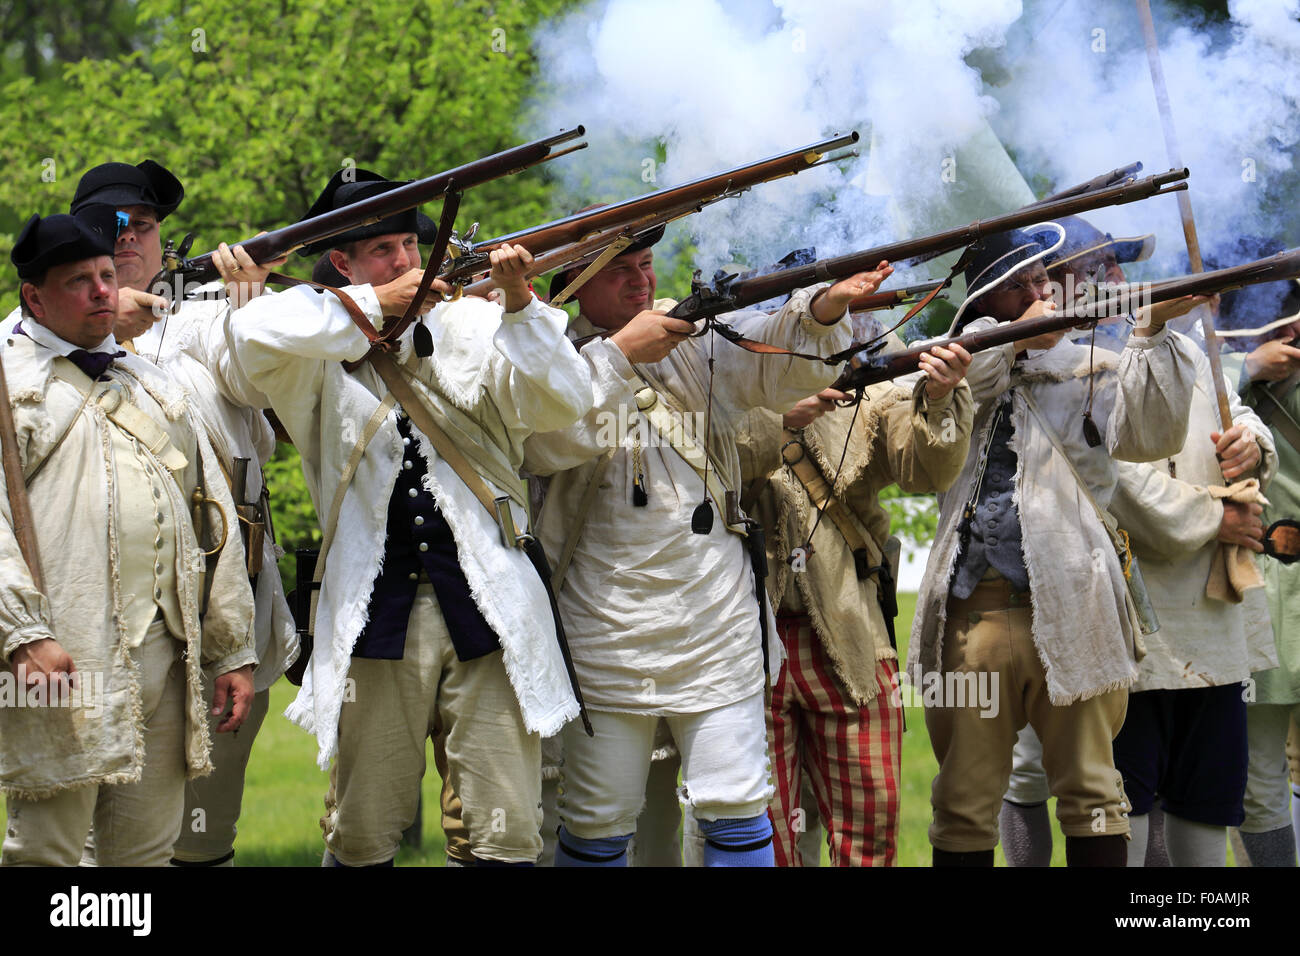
<point>757,543</point>
<point>537,555</point>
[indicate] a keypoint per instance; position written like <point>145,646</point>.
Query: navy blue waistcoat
<point>419,539</point>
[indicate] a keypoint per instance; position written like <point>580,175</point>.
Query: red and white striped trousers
<point>851,754</point>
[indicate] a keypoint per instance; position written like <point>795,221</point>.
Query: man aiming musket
<point>1023,528</point>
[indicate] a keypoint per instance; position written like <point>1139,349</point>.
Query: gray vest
<point>992,538</point>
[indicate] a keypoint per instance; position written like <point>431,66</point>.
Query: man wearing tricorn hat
<point>1018,530</point>
<point>179,341</point>
<point>427,613</point>
<point>121,562</point>
<point>144,195</point>
<point>1087,256</point>
<point>1267,317</point>
<point>1185,515</point>
<point>657,841</point>
<point>658,598</point>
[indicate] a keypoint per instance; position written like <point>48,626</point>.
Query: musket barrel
<point>538,239</point>
<point>760,288</point>
<point>1117,302</point>
<point>1106,180</point>
<point>290,238</point>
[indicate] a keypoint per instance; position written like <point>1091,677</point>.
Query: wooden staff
<point>1184,207</point>
<point>20,506</point>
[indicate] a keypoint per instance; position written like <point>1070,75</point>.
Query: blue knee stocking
<point>746,842</point>
<point>573,850</point>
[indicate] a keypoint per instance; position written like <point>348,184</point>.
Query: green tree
<point>255,107</point>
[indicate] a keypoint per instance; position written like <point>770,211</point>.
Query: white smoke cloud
<point>1064,86</point>
<point>719,83</point>
<point>1078,98</point>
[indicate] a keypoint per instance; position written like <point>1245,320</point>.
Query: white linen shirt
<point>661,620</point>
<point>1173,521</point>
<point>498,376</point>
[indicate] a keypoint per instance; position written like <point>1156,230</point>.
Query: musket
<point>893,297</point>
<point>1116,177</point>
<point>1120,176</point>
<point>576,252</point>
<point>727,293</point>
<point>180,273</point>
<point>1116,300</point>
<point>472,260</point>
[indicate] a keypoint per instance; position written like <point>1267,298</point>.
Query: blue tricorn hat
<point>996,257</point>
<point>351,185</point>
<point>1082,237</point>
<point>121,184</point>
<point>62,238</point>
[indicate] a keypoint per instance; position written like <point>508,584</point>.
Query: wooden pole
<point>1184,207</point>
<point>20,506</point>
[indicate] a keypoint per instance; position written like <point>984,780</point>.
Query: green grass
<point>284,790</point>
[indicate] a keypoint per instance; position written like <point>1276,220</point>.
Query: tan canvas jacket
<point>898,438</point>
<point>75,503</point>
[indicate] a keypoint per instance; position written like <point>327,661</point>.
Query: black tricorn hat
<point>995,257</point>
<point>561,279</point>
<point>55,240</point>
<point>351,185</point>
<point>121,184</point>
<point>1082,237</point>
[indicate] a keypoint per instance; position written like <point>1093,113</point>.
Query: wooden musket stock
<point>580,226</point>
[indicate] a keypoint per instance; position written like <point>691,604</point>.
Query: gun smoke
<point>943,93</point>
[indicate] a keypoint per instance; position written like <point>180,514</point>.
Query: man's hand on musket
<point>650,336</point>
<point>1158,313</point>
<point>829,305</point>
<point>944,366</point>
<point>1150,319</point>
<point>1238,451</point>
<point>510,266</point>
<point>236,689</point>
<point>244,278</point>
<point>812,408</point>
<point>1273,361</point>
<point>136,313</point>
<point>1242,525</point>
<point>395,296</point>
<point>1045,340</point>
<point>44,664</point>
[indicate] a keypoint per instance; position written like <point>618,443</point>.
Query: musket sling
<point>1135,588</point>
<point>868,559</point>
<point>498,508</point>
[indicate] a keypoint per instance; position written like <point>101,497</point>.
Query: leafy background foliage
<point>254,106</point>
